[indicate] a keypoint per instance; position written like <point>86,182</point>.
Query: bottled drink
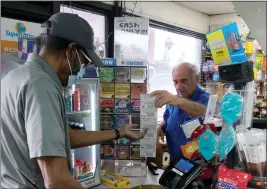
<point>76,100</point>
<point>68,99</point>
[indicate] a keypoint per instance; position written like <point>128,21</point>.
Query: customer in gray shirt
<point>35,138</point>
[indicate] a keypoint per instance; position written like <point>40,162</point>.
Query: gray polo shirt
<point>34,123</point>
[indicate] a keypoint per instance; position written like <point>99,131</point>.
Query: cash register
<point>180,174</point>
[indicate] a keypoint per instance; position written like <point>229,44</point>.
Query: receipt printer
<point>180,173</point>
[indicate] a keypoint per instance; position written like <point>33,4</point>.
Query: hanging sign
<point>132,25</point>
<point>226,46</point>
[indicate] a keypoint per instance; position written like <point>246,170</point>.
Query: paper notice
<point>148,119</point>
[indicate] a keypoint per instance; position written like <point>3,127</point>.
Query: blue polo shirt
<point>174,117</point>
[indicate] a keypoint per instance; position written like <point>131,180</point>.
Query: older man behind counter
<point>189,103</point>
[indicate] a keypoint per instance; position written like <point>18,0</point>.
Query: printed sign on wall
<point>12,29</point>
<point>131,41</point>
<point>226,46</point>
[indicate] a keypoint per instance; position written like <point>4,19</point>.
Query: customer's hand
<point>126,132</point>
<point>164,97</point>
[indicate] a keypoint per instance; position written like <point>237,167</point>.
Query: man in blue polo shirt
<point>189,103</point>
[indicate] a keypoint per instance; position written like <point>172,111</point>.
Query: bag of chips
<point>231,179</point>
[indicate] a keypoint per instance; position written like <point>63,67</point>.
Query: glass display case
<point>83,114</point>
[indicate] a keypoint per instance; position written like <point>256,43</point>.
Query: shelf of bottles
<point>83,114</point>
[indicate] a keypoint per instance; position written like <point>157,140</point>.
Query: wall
<point>224,19</point>
<point>250,21</point>
<point>171,13</point>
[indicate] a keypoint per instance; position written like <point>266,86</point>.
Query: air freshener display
<point>121,87</point>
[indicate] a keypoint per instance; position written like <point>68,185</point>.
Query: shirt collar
<point>34,58</point>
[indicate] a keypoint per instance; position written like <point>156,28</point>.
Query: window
<point>96,21</point>
<point>166,50</point>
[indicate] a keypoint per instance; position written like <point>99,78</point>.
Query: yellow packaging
<point>114,180</point>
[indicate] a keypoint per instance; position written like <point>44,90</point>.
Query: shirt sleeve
<point>43,120</point>
<point>204,99</point>
<point>165,117</point>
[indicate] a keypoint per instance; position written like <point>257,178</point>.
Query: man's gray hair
<point>192,68</point>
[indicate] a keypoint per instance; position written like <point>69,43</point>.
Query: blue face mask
<point>226,140</point>
<point>75,78</point>
<point>231,107</point>
<point>208,144</point>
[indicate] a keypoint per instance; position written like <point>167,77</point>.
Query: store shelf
<point>79,112</point>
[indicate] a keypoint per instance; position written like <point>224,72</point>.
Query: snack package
<point>230,178</point>
<point>189,149</point>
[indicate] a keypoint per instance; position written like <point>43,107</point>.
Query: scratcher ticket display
<point>230,178</point>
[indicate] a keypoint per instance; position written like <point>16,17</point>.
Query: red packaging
<point>232,179</point>
<point>76,100</point>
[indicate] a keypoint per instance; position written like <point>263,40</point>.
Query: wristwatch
<point>118,135</point>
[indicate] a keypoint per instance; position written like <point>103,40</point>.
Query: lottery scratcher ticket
<point>148,119</point>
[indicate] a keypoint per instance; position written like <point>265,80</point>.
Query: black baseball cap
<point>75,29</point>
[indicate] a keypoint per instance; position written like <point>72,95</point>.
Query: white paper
<point>253,153</point>
<point>148,120</point>
<point>189,127</point>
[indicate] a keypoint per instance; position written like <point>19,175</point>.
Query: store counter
<point>150,179</point>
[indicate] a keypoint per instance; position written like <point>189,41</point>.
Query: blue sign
<point>109,61</point>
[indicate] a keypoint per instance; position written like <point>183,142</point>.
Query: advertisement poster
<point>130,39</point>
<point>12,29</point>
<point>226,46</point>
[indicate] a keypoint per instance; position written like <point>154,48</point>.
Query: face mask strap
<point>79,58</point>
<point>69,63</point>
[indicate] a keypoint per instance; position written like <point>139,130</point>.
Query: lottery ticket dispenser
<point>180,173</point>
